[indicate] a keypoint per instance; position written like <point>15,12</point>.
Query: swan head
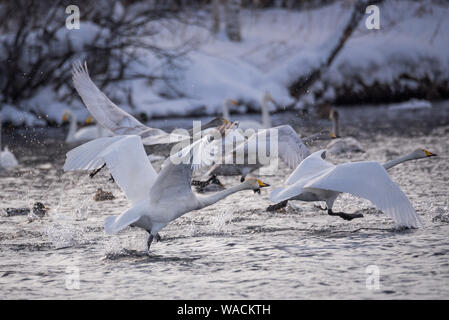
<point>231,102</point>
<point>65,116</point>
<point>268,98</point>
<point>421,153</point>
<point>255,184</point>
<point>89,120</point>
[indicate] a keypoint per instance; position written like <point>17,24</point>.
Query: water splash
<point>64,236</point>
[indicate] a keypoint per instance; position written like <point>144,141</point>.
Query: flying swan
<point>290,148</point>
<point>318,180</point>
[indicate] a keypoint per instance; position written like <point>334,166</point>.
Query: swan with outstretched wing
<point>156,199</point>
<point>119,122</point>
<point>318,180</point>
<point>282,140</point>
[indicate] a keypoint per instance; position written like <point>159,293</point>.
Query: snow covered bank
<point>408,57</point>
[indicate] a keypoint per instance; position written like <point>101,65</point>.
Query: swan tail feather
<point>114,224</point>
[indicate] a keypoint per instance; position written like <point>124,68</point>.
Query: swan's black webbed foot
<point>111,178</point>
<point>93,173</point>
<point>277,206</point>
<point>346,216</point>
<point>242,179</point>
<point>158,237</point>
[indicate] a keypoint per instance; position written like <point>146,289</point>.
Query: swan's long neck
<point>226,114</point>
<point>266,120</point>
<point>205,201</point>
<point>336,125</point>
<point>72,127</point>
<point>99,130</point>
<point>392,163</point>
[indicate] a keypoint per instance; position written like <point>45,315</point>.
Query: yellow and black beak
<point>262,184</point>
<point>333,135</point>
<point>64,118</point>
<point>234,102</point>
<point>429,154</point>
<point>89,120</point>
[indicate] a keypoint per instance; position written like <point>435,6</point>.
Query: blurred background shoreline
<point>170,59</point>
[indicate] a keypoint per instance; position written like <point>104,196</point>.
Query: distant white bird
<point>7,158</point>
<point>157,199</point>
<point>250,124</point>
<point>84,134</point>
<point>318,180</point>
<point>341,145</point>
<point>412,104</point>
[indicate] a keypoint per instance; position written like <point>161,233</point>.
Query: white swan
<point>251,124</point>
<point>157,199</point>
<point>84,134</point>
<point>318,180</point>
<point>7,158</point>
<point>290,148</point>
<point>341,145</point>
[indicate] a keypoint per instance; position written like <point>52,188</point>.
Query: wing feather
<point>125,158</point>
<point>102,109</point>
<point>369,180</point>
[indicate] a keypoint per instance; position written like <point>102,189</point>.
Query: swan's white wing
<point>292,149</point>
<point>176,175</point>
<point>102,109</point>
<point>309,167</point>
<point>125,158</point>
<point>199,154</point>
<point>282,139</point>
<point>87,156</point>
<point>369,180</point>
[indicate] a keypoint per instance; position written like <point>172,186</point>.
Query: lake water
<point>233,249</point>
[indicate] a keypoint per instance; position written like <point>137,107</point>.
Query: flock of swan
<point>157,198</point>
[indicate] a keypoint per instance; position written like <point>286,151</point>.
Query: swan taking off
<point>318,180</point>
<point>157,199</point>
<point>290,148</point>
<point>119,122</point>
